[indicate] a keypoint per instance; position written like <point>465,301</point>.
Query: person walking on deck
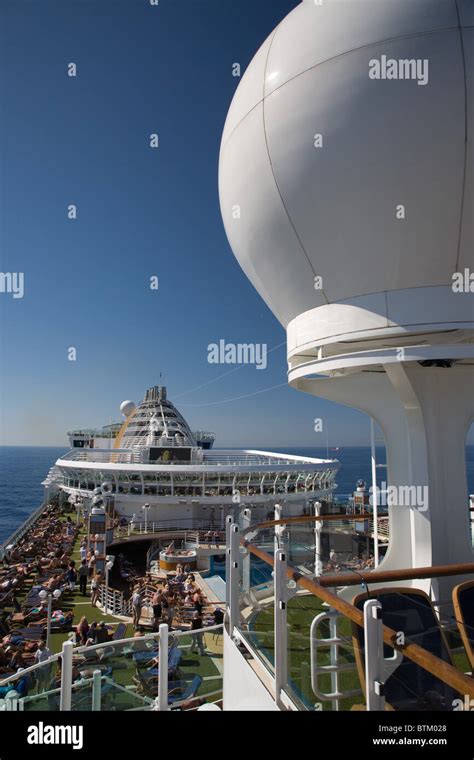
<point>43,674</point>
<point>91,563</point>
<point>95,586</point>
<point>71,576</point>
<point>197,643</point>
<point>83,574</point>
<point>137,604</point>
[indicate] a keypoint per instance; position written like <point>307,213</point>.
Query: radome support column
<point>439,408</point>
<point>424,413</point>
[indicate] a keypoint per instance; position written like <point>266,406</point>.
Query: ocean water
<point>22,468</point>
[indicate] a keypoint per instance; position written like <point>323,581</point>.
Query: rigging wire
<point>224,374</point>
<point>238,398</point>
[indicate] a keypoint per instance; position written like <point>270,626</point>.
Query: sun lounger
<point>182,690</point>
<point>463,602</point>
<point>174,659</point>
<point>408,686</point>
<point>120,632</point>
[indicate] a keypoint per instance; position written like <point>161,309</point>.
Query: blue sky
<point>140,212</point>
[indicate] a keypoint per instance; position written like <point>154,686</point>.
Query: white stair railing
<point>335,641</point>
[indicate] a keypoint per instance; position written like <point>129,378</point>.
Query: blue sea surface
<point>356,463</point>
<point>22,468</point>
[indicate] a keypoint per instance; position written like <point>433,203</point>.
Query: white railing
<point>208,458</point>
<point>99,653</point>
<point>113,602</point>
<point>20,532</point>
<point>190,531</point>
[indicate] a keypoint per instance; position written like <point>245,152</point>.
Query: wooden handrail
<point>355,577</point>
<point>429,662</point>
<point>312,518</point>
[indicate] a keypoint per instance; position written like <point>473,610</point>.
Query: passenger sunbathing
<point>56,682</point>
<point>37,614</point>
<point>54,563</point>
<point>5,660</point>
<point>82,631</point>
<point>54,582</point>
<point>103,634</point>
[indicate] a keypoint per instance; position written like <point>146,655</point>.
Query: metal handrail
<point>147,637</point>
<point>88,649</point>
<point>24,527</point>
<point>387,576</point>
<point>30,669</point>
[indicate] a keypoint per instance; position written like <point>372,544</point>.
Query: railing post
<point>66,677</point>
<point>374,655</point>
<point>233,584</point>
<point>318,525</point>
<point>375,495</point>
<point>96,690</point>
<point>278,513</point>
<point>281,628</point>
<point>163,668</point>
<point>245,520</point>
<point>228,523</point>
<point>106,588</point>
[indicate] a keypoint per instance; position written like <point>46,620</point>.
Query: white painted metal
<point>106,588</point>
<point>375,497</point>
<point>374,657</point>
<point>280,624</point>
<point>334,660</point>
<point>334,641</point>
<point>228,523</point>
<point>163,679</point>
<point>245,520</point>
<point>385,302</point>
<point>318,526</point>
<point>278,513</point>
<point>66,676</point>
<point>233,582</point>
<point>291,194</point>
<point>244,686</point>
<point>96,690</point>
<point>424,415</point>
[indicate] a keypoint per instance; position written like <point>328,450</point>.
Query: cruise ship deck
<point>286,641</point>
<point>122,659</point>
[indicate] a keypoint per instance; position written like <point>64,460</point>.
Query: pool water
<point>260,572</point>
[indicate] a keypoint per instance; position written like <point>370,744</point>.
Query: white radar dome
<point>127,407</point>
<point>346,167</point>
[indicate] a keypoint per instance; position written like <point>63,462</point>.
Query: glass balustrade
<point>323,631</point>
<point>124,675</point>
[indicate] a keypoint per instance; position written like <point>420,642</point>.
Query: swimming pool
<point>260,572</point>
